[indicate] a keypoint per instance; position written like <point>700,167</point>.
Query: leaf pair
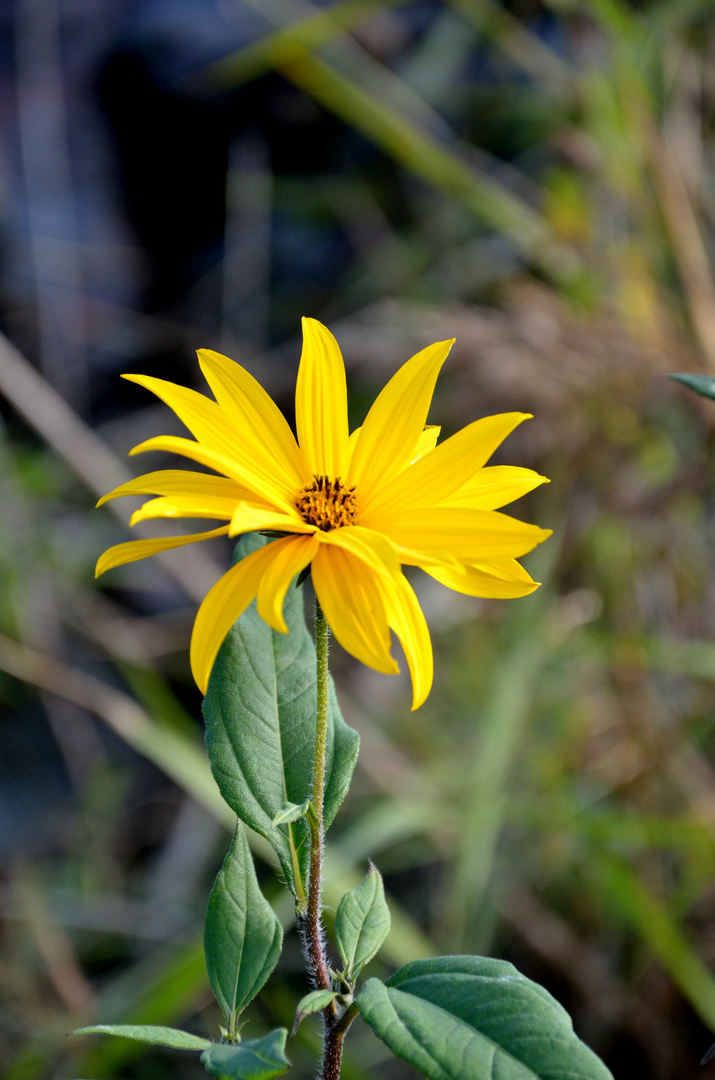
<point>362,922</point>
<point>242,940</point>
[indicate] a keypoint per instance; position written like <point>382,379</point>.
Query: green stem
<point>313,922</point>
<point>322,634</point>
<point>335,1026</point>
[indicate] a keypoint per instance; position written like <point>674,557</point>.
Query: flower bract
<point>354,506</point>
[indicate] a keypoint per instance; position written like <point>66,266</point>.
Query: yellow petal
<point>405,617</point>
<point>288,562</point>
<point>426,441</point>
<point>259,486</point>
<point>395,422</point>
<point>189,506</point>
<point>134,550</point>
<point>254,416</point>
<point>470,535</point>
<point>224,603</point>
<point>374,549</point>
<point>495,486</point>
<point>251,518</point>
<point>321,402</point>
<point>213,428</point>
<point>436,475</point>
<point>408,557</point>
<point>503,579</point>
<point>204,418</point>
<point>352,443</point>
<point>178,482</point>
<point>348,592</point>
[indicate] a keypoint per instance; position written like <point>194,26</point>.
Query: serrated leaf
<point>252,1059</point>
<point>313,1002</point>
<point>260,727</point>
<point>362,922</point>
<point>472,1018</point>
<point>243,936</point>
<point>701,384</point>
<point>148,1033</point>
<point>291,812</point>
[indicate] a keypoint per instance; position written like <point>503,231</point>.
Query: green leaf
<point>362,922</point>
<point>313,1002</point>
<point>252,1059</point>
<point>260,727</point>
<point>148,1033</point>
<point>243,936</point>
<point>701,384</point>
<point>472,1018</point>
<point>291,812</point>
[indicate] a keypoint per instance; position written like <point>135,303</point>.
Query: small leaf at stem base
<point>253,1059</point>
<point>291,812</point>
<point>313,1002</point>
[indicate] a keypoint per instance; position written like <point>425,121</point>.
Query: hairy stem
<point>313,928</point>
<point>335,1025</point>
<point>335,1032</point>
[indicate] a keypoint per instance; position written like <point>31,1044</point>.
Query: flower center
<point>327,503</point>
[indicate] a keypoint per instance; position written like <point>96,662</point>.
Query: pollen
<point>329,504</point>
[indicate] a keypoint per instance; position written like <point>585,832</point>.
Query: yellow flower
<point>352,506</point>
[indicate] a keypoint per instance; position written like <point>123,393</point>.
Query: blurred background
<point>533,177</point>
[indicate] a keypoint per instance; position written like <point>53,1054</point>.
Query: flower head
<point>355,507</point>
